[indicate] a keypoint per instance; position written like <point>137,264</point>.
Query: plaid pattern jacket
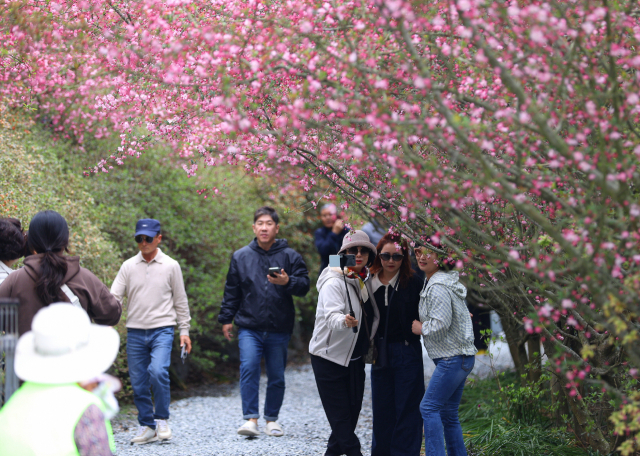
<point>446,324</point>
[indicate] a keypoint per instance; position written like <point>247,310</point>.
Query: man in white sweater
<point>157,301</point>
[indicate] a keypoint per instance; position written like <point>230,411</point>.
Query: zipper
<point>328,340</point>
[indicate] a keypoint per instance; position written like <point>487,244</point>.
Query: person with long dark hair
<point>12,245</point>
<point>397,377</point>
<point>447,332</point>
<point>345,324</point>
<point>50,276</point>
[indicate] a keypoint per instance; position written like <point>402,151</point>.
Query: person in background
<point>328,238</point>
<point>12,245</point>
<point>481,320</point>
<point>49,276</point>
<point>337,353</point>
<point>374,230</point>
<point>51,414</point>
<point>261,305</point>
<point>447,332</point>
<point>157,301</point>
<point>397,382</point>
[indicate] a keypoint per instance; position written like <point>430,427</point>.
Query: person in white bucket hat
<point>51,414</point>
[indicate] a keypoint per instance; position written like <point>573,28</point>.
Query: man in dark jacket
<point>261,305</point>
<point>328,238</point>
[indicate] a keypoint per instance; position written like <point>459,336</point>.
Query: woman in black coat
<point>397,377</point>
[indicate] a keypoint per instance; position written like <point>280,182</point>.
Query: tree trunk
<point>535,358</point>
<point>582,418</point>
<point>515,336</point>
<point>559,401</point>
<point>296,336</point>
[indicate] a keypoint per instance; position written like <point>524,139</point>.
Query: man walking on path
<point>157,300</point>
<point>261,304</point>
<point>328,238</point>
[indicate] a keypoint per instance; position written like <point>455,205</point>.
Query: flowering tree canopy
<point>509,129</point>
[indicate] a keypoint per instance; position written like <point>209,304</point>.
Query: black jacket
<point>328,243</point>
<point>405,302</point>
<point>254,302</point>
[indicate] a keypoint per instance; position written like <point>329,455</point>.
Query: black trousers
<point>396,394</point>
<point>341,390</point>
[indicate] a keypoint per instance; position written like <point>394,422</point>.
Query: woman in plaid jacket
<point>447,332</point>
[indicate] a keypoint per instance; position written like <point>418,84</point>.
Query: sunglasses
<point>387,256</point>
<point>423,253</point>
<point>139,238</point>
<point>356,250</point>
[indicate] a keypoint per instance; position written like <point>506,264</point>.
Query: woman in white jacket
<point>337,352</point>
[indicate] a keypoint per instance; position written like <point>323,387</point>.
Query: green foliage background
<point>38,172</point>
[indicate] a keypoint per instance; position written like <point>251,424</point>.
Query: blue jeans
<point>396,392</point>
<point>440,404</point>
<point>149,357</point>
<point>253,346</point>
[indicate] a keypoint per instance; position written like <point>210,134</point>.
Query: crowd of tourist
<point>373,308</point>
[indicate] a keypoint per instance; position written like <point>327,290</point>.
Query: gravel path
<point>207,425</point>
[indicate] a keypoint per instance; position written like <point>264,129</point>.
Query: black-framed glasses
<point>141,237</point>
<point>387,256</point>
<point>355,250</point>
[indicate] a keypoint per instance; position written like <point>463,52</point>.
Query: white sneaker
<point>163,430</point>
<point>249,429</point>
<point>145,435</point>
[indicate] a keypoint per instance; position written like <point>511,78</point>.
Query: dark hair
<point>445,262</point>
<point>49,235</point>
<point>266,210</point>
<point>371,258</point>
<point>405,267</point>
<point>12,240</point>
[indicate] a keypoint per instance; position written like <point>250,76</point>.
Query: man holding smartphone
<point>263,277</point>
<point>157,301</point>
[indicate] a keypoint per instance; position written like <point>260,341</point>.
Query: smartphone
<point>183,353</point>
<point>273,271</point>
<point>342,261</point>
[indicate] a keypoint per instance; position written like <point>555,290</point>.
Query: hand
<point>338,226</point>
<point>416,327</point>
<point>350,321</point>
<point>185,340</point>
<point>226,330</point>
<point>279,279</point>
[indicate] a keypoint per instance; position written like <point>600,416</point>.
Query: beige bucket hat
<point>357,238</point>
<point>64,347</point>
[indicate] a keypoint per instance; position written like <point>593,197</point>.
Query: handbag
<point>381,342</point>
<point>372,353</point>
<point>73,299</point>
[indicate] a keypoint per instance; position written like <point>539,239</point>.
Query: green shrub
<point>38,171</point>
<point>33,179</point>
<point>200,233</point>
<point>513,421</point>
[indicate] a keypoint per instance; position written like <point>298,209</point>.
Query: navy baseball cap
<point>147,227</point>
